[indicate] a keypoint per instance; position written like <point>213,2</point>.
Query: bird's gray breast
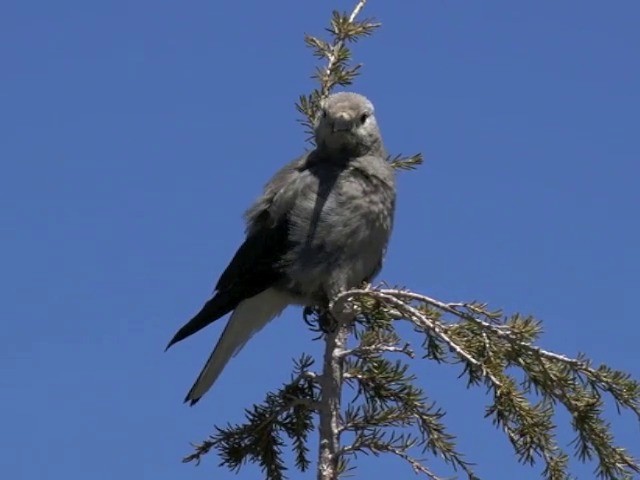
<point>339,227</point>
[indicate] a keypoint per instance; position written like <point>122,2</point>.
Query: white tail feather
<point>249,317</point>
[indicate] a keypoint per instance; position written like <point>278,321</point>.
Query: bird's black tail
<point>221,304</point>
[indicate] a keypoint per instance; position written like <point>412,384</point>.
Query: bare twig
<point>378,447</point>
<point>373,349</point>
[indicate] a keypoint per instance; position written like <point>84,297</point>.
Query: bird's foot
<point>327,322</point>
<point>319,319</point>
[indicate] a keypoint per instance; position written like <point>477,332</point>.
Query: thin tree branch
<point>503,332</point>
<point>330,402</point>
<point>378,447</point>
<point>337,45</point>
<point>373,349</point>
<point>422,321</point>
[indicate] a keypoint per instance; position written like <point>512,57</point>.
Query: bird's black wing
<point>256,266</point>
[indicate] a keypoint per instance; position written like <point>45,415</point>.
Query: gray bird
<point>320,227</point>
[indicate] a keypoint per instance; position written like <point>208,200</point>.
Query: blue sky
<point>134,135</point>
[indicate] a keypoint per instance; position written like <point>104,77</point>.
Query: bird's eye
<point>363,117</point>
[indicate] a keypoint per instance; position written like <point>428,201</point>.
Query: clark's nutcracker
<point>320,227</point>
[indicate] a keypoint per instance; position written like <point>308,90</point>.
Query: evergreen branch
<point>487,344</point>
<point>337,71</point>
<point>423,322</point>
<point>406,163</point>
<point>619,384</point>
<point>289,411</point>
<point>343,29</point>
<point>392,400</point>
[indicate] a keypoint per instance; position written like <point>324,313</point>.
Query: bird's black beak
<point>342,123</point>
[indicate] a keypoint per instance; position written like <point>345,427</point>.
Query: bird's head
<point>345,125</point>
